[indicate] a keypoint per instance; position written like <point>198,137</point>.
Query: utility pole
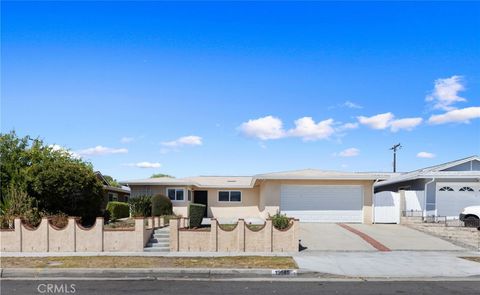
<point>394,148</point>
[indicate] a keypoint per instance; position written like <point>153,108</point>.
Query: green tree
<point>58,181</point>
<point>112,181</point>
<point>158,175</point>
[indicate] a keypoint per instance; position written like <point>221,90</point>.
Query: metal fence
<point>451,222</point>
<point>442,220</point>
<point>412,213</point>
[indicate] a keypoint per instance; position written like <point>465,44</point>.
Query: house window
<point>229,196</point>
<point>446,189</point>
<point>112,197</point>
<point>176,194</point>
<point>466,189</point>
<point>189,195</point>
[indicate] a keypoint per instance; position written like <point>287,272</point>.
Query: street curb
<point>202,274</point>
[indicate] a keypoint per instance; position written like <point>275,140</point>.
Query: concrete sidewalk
<point>409,264</point>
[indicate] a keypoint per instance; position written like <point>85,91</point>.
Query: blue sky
<point>244,88</point>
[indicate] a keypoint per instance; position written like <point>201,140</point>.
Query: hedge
<point>118,210</point>
<point>141,206</point>
<point>195,213</point>
<point>161,205</point>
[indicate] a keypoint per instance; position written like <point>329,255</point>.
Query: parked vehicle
<point>471,216</point>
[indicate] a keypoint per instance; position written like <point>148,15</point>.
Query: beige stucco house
<point>309,195</point>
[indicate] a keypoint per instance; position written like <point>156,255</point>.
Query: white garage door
<point>451,198</point>
<point>322,203</point>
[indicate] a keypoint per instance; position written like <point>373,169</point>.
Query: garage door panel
<point>451,203</point>
<point>323,203</point>
<point>326,215</point>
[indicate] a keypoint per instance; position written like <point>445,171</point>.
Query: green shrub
<point>59,220</point>
<point>141,206</point>
<point>161,205</point>
<point>118,210</point>
<point>17,203</point>
<point>195,213</point>
<point>280,221</point>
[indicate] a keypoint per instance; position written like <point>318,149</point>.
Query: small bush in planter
<point>118,210</point>
<point>140,206</point>
<point>280,221</point>
<point>59,220</point>
<point>196,213</point>
<point>161,205</point>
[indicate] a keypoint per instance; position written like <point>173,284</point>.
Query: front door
<point>201,197</point>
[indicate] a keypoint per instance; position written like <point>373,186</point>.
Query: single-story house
<point>309,195</point>
<point>448,187</point>
<point>112,193</point>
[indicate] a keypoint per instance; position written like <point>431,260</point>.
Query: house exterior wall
<point>270,194</point>
<point>179,207</point>
<point>260,201</point>
<point>419,185</point>
<point>248,207</point>
<point>468,166</point>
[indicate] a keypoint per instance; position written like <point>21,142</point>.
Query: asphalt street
<point>184,287</point>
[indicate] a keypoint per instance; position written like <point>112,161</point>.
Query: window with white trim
<point>230,196</point>
<point>446,189</point>
<point>466,189</point>
<point>176,194</point>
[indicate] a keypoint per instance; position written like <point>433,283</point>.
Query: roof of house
<point>435,171</point>
<point>109,187</point>
<point>249,181</point>
<point>323,174</point>
<point>200,181</point>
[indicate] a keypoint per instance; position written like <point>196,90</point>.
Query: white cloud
<point>386,120</point>
<point>456,116</point>
<point>347,126</point>
<point>406,123</point>
<point>146,165</point>
<point>352,105</point>
<point>191,140</point>
<point>265,128</point>
<point>425,155</point>
<point>308,130</point>
<point>56,147</point>
<point>100,151</point>
<point>445,93</point>
<point>380,121</point>
<point>127,139</point>
<point>350,152</point>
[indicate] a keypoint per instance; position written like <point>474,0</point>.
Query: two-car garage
<point>323,203</point>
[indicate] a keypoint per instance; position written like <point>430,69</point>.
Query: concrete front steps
<point>159,241</point>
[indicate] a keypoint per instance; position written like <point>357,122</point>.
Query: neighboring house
<point>112,193</point>
<point>310,195</point>
<point>448,187</point>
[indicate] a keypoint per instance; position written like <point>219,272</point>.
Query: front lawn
<point>268,262</point>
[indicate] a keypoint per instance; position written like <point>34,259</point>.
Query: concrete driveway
<point>363,237</point>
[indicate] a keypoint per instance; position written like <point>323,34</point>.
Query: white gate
<point>386,207</point>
